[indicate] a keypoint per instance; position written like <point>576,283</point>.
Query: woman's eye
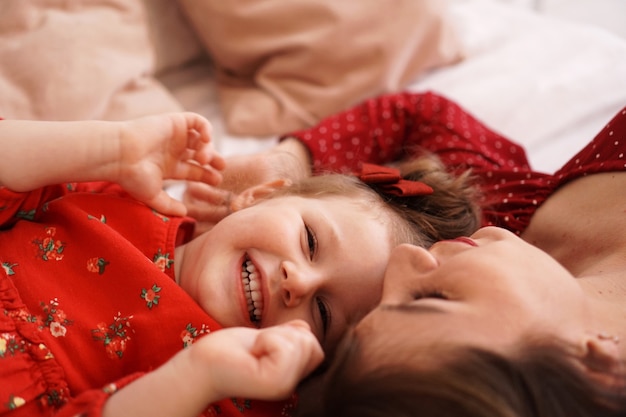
<point>311,241</point>
<point>430,294</point>
<point>324,314</point>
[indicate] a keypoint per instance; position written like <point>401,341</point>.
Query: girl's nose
<point>296,283</point>
<point>407,264</point>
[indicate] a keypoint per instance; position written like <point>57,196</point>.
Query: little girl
<point>102,286</point>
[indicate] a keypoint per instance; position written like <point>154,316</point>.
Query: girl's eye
<point>311,241</point>
<point>324,314</point>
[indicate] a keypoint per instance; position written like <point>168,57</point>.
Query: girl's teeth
<point>252,287</point>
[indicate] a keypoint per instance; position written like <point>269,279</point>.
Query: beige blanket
<point>77,60</point>
<point>280,65</point>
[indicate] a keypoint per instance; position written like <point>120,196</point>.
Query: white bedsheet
<point>543,82</point>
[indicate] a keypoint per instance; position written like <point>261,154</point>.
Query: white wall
<point>610,14</point>
<point>522,3</point>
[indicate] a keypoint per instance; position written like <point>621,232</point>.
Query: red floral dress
<point>88,301</point>
<point>391,127</point>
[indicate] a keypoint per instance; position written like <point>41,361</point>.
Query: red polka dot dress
<point>397,126</point>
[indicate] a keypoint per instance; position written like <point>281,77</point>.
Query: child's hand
<point>264,364</point>
<point>208,205</point>
<point>169,146</point>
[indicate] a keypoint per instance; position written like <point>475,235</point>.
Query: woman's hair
<point>452,210</point>
<point>541,380</point>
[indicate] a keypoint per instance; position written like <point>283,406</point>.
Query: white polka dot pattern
<point>392,127</point>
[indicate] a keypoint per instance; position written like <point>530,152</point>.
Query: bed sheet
<point>546,83</point>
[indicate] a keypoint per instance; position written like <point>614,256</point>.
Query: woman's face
<point>489,291</point>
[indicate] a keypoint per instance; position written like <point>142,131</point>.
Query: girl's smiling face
<point>317,259</point>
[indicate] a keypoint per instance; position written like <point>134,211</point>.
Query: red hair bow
<point>389,181</point>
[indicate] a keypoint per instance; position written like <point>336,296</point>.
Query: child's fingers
<point>207,193</point>
<point>289,350</point>
<point>191,171</point>
<point>199,124</point>
<point>206,203</point>
<point>208,156</point>
<point>316,353</point>
<point>199,140</point>
<point>297,323</point>
<point>165,204</point>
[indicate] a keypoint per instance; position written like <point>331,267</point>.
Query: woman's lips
<point>463,239</point>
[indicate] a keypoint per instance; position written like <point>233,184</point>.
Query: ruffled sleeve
<point>91,403</point>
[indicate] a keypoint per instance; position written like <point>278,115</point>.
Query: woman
<point>499,325</point>
<point>488,326</point>
<point>537,336</point>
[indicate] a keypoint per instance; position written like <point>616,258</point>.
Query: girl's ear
<point>252,195</point>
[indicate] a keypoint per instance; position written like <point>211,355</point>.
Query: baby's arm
<point>264,364</point>
<point>138,154</point>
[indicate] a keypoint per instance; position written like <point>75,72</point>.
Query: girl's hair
<point>541,380</point>
<point>452,210</point>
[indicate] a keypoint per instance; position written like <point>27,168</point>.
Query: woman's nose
<point>296,283</point>
<point>407,264</point>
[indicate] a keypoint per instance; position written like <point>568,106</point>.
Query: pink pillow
<point>77,59</point>
<point>283,65</point>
